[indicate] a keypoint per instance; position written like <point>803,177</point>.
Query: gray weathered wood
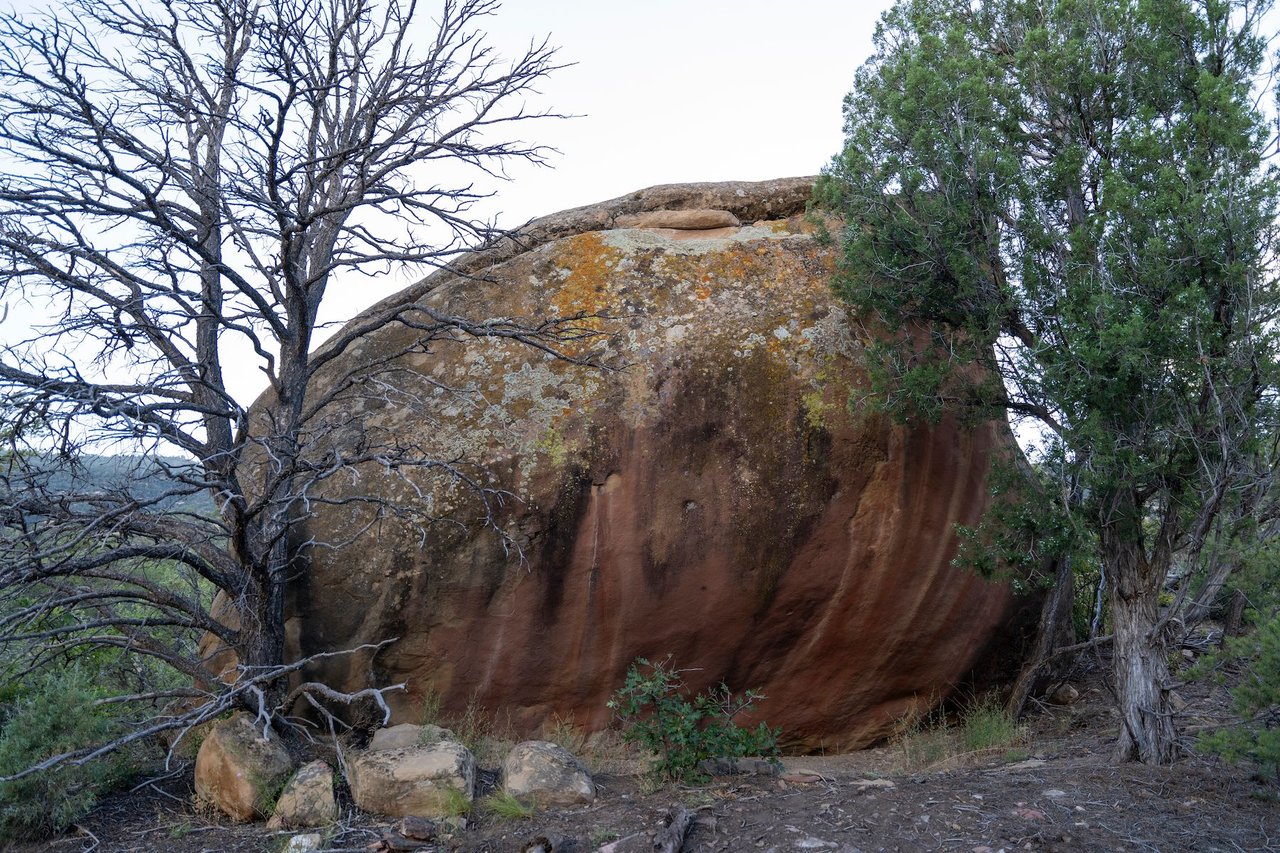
<point>678,822</point>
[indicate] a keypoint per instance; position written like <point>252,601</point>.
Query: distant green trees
<point>1060,210</point>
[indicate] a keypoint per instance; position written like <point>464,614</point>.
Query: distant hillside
<point>147,478</point>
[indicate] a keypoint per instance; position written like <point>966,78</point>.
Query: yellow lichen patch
<point>552,443</point>
<point>588,264</point>
<point>814,409</point>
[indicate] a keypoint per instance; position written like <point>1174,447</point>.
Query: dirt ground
<point>1055,790</point>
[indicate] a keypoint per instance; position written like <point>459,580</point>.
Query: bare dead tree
<point>181,185</point>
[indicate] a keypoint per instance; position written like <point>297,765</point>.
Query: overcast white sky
<point>685,90</point>
<point>671,91</point>
<point>664,91</point>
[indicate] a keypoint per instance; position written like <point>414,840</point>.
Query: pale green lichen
<point>814,410</point>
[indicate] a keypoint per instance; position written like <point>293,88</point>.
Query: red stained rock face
<point>712,498</point>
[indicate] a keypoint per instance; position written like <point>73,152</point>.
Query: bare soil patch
<point>1059,793</point>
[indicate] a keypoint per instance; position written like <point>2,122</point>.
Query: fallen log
<point>676,826</point>
<point>549,843</point>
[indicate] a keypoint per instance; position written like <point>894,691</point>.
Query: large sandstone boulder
<point>239,771</point>
<point>710,496</point>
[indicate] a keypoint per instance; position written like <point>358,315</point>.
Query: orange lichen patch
<point>703,293</point>
<point>591,265</point>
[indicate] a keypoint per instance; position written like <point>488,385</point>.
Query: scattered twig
<point>96,843</point>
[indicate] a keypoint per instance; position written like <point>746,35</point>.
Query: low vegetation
<point>926,741</point>
<point>46,715</point>
<point>505,806</point>
<point>656,713</point>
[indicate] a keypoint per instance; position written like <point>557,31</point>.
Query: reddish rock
<point>714,499</point>
<point>239,771</point>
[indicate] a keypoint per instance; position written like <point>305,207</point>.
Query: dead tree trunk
<point>1053,630</point>
<point>1233,624</point>
<point>670,839</point>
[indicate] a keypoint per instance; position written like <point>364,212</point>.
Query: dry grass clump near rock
<point>978,731</point>
<point>505,806</point>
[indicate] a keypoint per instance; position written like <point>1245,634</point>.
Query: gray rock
<point>547,774</point>
<point>420,781</point>
<point>407,734</point>
<point>304,843</point>
<point>307,799</point>
<point>738,767</point>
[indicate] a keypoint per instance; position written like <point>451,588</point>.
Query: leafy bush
<point>1256,699</point>
<point>55,713</point>
<point>655,713</point>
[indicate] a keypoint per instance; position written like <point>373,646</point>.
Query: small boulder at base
<point>413,780</point>
<point>238,771</point>
<point>407,734</point>
<point>304,843</point>
<point>1063,694</point>
<point>547,774</point>
<point>307,800</point>
<point>739,767</point>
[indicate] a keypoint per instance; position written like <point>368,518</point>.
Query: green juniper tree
<point>1061,211</point>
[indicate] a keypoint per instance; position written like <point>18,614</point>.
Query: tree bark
<point>1054,628</point>
<point>1233,625</point>
<point>1141,667</point>
<point>1198,610</point>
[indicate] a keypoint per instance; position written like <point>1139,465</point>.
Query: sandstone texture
<point>547,774</point>
<point>307,799</point>
<point>412,781</point>
<point>408,734</point>
<point>708,494</point>
<point>238,771</point>
<point>680,220</point>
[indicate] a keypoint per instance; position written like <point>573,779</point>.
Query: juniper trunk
<point>1141,668</point>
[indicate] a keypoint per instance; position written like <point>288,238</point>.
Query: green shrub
<point>656,714</point>
<point>55,713</point>
<point>1256,699</point>
<point>987,725</point>
<point>456,803</point>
